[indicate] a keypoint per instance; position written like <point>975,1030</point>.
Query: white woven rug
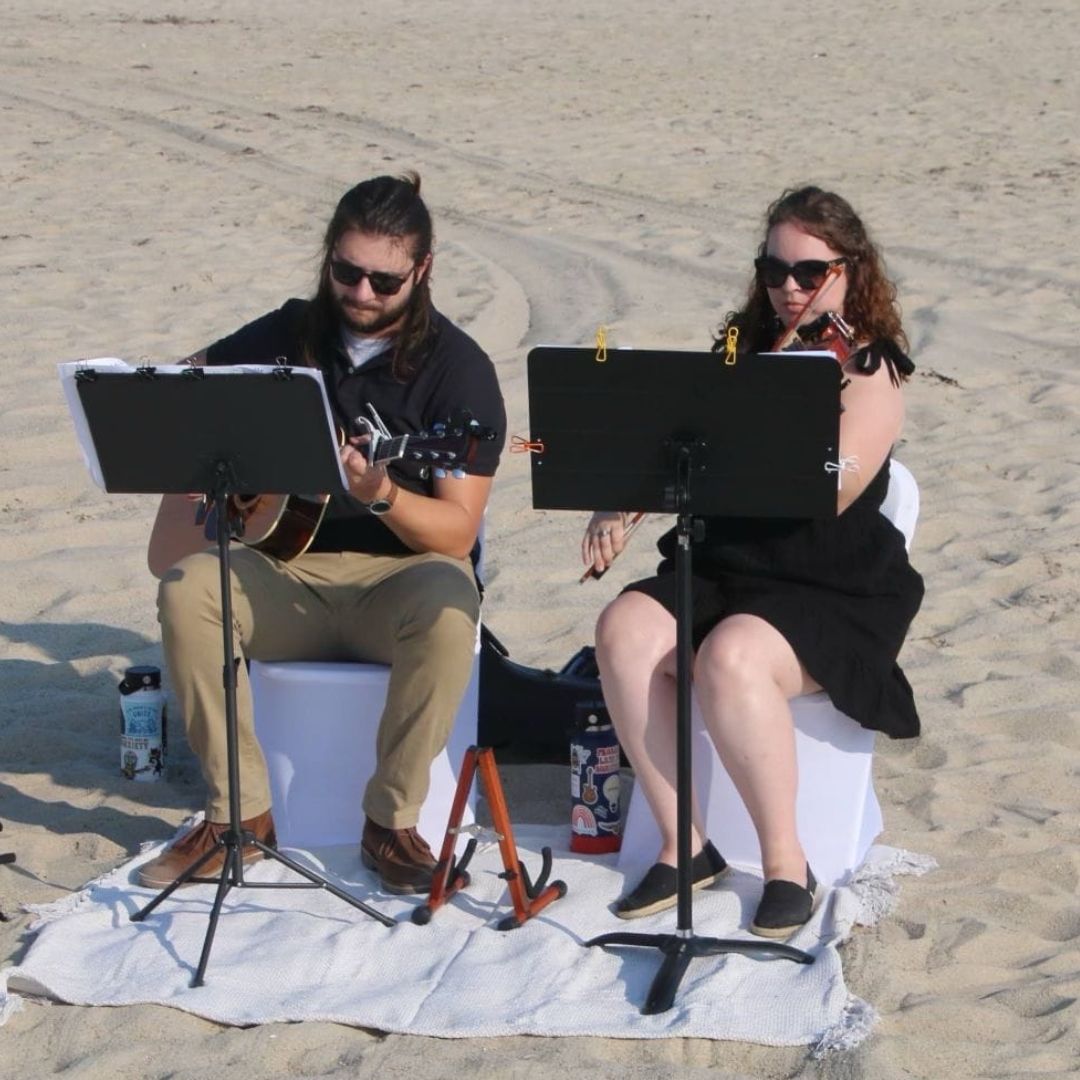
<point>284,955</point>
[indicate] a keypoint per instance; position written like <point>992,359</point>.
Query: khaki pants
<point>417,613</point>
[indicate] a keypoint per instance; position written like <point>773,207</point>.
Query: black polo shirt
<point>455,376</point>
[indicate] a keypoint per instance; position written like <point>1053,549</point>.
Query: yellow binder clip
<point>731,344</point>
<point>601,345</point>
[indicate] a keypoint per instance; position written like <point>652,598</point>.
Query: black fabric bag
<point>528,714</point>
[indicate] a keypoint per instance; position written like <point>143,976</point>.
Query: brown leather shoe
<point>401,858</point>
<point>175,859</point>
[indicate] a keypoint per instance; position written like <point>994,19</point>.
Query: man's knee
<point>193,581</point>
<point>443,602</point>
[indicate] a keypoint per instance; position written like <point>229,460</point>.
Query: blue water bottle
<point>595,813</point>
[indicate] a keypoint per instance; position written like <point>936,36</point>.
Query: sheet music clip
<point>283,374</point>
<point>147,371</point>
<point>87,374</point>
<point>194,372</point>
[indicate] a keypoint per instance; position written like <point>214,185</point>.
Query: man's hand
<point>366,482</point>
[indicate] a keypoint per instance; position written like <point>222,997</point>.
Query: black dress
<point>840,590</point>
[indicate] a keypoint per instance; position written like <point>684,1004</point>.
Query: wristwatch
<point>383,505</point>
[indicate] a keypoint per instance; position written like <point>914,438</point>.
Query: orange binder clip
<point>529,897</point>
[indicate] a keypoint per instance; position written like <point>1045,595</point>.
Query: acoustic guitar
<point>285,525</point>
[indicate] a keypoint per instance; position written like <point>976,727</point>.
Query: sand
<point>167,173</point>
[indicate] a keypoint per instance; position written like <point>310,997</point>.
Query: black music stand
<point>223,432</point>
<point>685,433</point>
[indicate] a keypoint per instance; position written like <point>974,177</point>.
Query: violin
<point>827,333</point>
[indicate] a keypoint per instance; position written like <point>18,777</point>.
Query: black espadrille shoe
<point>659,888</point>
<point>784,907</point>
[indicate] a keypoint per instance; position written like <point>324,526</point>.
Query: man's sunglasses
<point>808,273</point>
<point>350,275</point>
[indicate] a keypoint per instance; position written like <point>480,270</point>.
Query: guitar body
<point>282,526</point>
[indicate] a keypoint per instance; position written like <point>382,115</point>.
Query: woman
<point>781,607</point>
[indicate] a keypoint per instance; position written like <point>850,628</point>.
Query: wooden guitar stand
<point>450,875</point>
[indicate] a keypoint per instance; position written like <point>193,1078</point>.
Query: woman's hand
<point>604,538</point>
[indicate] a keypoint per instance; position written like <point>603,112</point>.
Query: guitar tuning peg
<point>440,474</point>
<point>458,474</point>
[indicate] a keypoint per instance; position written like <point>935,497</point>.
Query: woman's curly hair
<point>870,307</point>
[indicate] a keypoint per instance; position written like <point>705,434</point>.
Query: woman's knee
<point>744,652</point>
<point>634,626</point>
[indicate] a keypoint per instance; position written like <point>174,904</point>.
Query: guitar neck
<point>390,449</point>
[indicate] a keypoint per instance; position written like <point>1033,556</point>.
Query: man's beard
<point>370,321</point>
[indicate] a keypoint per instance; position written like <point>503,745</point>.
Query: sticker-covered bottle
<point>143,724</point>
<point>595,813</point>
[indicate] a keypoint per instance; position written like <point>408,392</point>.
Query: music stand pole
<point>683,946</point>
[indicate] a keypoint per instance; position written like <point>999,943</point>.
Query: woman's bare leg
<point>635,651</point>
<point>745,675</point>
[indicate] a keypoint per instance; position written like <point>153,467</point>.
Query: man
<point>388,576</point>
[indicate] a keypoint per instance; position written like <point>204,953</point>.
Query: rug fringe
<point>855,1024</point>
<point>874,884</point>
<point>10,1003</point>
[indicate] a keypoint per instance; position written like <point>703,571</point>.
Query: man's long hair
<point>870,306</point>
<point>387,206</point>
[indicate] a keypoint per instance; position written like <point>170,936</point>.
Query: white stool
<point>837,810</point>
<point>316,723</point>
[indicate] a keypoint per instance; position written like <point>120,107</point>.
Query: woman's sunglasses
<point>808,273</point>
<point>350,275</point>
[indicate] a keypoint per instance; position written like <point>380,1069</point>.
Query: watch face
<point>381,506</point>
